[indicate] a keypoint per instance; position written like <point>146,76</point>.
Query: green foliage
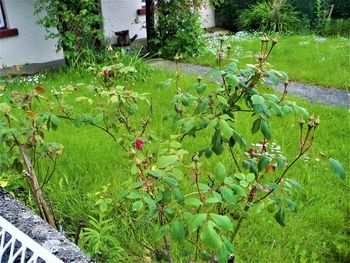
<point>173,203</point>
<point>99,237</point>
<point>269,16</point>
<point>178,28</point>
<point>75,24</point>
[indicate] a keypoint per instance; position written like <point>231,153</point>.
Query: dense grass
<point>319,232</point>
<point>308,59</point>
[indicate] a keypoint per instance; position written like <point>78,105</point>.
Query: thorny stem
<point>95,125</point>
<point>235,160</point>
<point>301,153</point>
<point>250,201</point>
<point>245,209</point>
<point>166,237</point>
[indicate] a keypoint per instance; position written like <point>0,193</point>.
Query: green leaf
<point>203,187</point>
<point>196,221</point>
<point>164,230</point>
<point>150,202</point>
<point>4,107</point>
<point>212,200</point>
<point>217,145</point>
<point>280,162</point>
<point>219,172</point>
<point>238,138</point>
<point>170,181</point>
<point>137,205</point>
<point>301,112</point>
<point>225,129</point>
<point>238,190</point>
<point>98,118</point>
<point>134,196</point>
<point>179,195</point>
<point>337,168</point>
<point>265,129</point>
<point>190,124</point>
<point>223,254</point>
<point>227,195</point>
<point>273,78</point>
<point>177,232</point>
<point>264,161</point>
<point>280,216</point>
<point>228,244</point>
<point>193,202</point>
<point>223,222</point>
<point>292,205</point>
<point>210,238</point>
<point>256,126</point>
<point>54,121</point>
<point>165,161</point>
<point>250,177</point>
<point>257,99</point>
<point>222,100</point>
<point>201,88</point>
<point>184,100</point>
<point>272,97</point>
<point>79,119</point>
<point>276,109</point>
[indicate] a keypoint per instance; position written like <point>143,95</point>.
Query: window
<point>4,30</point>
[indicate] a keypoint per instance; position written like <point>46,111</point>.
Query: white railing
<point>15,246</point>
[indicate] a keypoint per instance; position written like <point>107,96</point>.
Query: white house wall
<point>29,46</point>
<point>121,15</point>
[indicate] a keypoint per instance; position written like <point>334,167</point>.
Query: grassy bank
<point>318,232</point>
<point>308,59</point>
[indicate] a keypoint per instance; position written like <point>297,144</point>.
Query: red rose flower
<point>139,144</point>
<point>105,71</point>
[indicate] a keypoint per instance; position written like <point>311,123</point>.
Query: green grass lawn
<point>318,232</point>
<point>308,59</point>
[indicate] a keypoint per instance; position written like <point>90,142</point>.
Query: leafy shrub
<point>229,10</point>
<point>178,28</point>
<point>338,27</point>
<point>269,16</point>
<point>187,202</point>
<point>75,25</point>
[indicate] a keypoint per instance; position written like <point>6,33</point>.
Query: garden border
<point>32,225</point>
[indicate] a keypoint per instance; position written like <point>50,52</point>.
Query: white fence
<point>17,247</point>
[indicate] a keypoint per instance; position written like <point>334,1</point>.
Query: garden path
<point>312,93</point>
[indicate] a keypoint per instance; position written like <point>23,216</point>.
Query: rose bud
<point>105,71</point>
<point>139,144</point>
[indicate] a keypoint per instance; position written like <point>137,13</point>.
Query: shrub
<point>75,25</point>
<point>269,16</point>
<point>178,28</point>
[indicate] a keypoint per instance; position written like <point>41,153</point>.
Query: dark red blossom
<point>105,71</point>
<point>139,144</point>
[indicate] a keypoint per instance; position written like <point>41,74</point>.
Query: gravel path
<point>312,93</point>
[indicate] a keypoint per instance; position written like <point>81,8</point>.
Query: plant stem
<point>235,160</point>
<point>166,237</point>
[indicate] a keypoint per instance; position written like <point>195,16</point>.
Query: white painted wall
<point>208,16</point>
<point>121,15</point>
<point>29,46</point>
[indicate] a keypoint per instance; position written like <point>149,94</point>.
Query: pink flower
<point>105,71</point>
<point>139,144</point>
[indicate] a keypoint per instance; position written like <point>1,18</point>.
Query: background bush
<point>178,28</point>
<point>270,16</point>
<point>300,16</point>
